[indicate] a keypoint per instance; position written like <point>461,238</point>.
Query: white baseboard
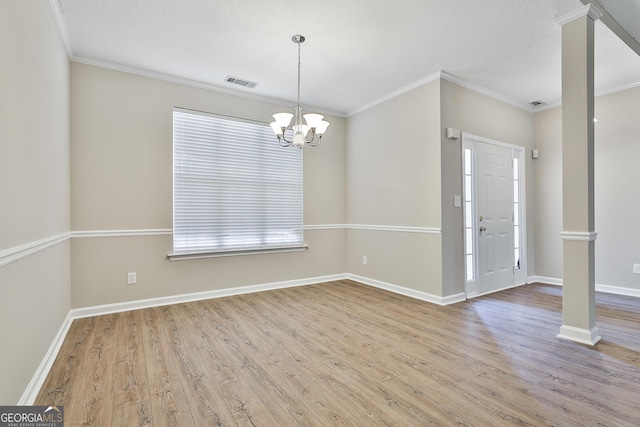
<point>545,280</point>
<point>99,310</point>
<point>618,290</point>
<point>31,392</point>
<point>424,296</point>
<point>582,336</point>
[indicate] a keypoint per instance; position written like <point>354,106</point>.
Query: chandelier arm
<point>316,143</point>
<point>286,143</point>
<point>312,132</point>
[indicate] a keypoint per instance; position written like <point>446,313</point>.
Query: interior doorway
<point>494,215</point>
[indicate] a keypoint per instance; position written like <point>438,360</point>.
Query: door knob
<point>483,228</point>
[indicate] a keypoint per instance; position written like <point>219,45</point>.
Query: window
<point>234,188</point>
<point>516,213</point>
<point>468,215</point>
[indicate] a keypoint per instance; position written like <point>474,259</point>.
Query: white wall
<point>121,175</point>
<point>34,189</point>
<point>617,195</point>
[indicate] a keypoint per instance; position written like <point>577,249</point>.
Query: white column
<point>578,292</point>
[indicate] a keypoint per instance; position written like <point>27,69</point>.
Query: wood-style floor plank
<point>69,365</point>
<point>346,354</point>
<point>131,380</point>
<point>204,400</point>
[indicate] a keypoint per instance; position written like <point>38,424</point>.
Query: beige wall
<point>121,174</point>
<point>483,116</point>
<point>548,192</point>
<point>399,177</point>
<point>617,196</point>
<point>393,179</point>
<point>34,188</point>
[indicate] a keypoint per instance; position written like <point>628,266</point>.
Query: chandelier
<point>308,131</point>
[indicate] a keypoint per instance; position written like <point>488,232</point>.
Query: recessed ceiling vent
<point>537,103</point>
<point>241,82</point>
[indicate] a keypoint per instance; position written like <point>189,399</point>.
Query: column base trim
<point>582,336</point>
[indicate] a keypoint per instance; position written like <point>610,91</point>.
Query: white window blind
<point>234,187</point>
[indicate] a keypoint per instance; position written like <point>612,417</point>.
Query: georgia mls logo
<point>31,416</point>
<point>55,409</point>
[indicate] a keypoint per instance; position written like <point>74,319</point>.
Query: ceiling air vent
<point>241,82</point>
<point>536,103</point>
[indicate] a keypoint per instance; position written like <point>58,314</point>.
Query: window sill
<point>235,252</point>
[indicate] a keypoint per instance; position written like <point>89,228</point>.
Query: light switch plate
<point>636,268</point>
<point>457,201</point>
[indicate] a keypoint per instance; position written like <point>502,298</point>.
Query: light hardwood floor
<point>346,354</point>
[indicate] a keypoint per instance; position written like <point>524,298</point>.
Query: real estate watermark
<point>31,416</point>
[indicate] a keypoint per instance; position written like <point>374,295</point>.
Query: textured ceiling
<point>356,52</point>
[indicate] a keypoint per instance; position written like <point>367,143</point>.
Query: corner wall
<point>393,180</point>
<point>34,189</point>
<point>402,172</point>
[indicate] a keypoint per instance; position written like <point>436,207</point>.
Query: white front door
<point>495,204</point>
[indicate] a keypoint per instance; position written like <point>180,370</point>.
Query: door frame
<point>469,141</point>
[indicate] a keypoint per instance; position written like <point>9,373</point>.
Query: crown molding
<point>587,10</point>
<point>597,94</point>
<point>57,10</point>
<point>195,83</point>
<point>484,91</point>
<point>395,93</point>
<point>618,89</point>
<point>451,78</point>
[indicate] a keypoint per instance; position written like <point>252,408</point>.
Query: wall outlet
<point>636,268</point>
<point>364,260</point>
<point>131,278</point>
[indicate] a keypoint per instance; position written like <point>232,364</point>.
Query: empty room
<point>360,213</point>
